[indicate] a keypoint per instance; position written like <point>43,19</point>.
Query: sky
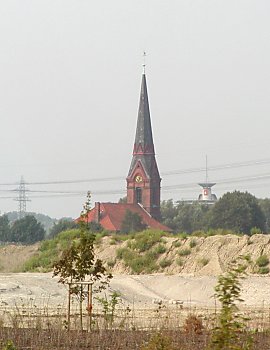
<point>70,75</point>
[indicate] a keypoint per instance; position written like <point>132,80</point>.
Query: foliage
<point>27,230</point>
<point>184,252</point>
<point>46,221</point>
<point>160,249</point>
<point>132,222</point>
<point>9,345</point>
<point>255,231</point>
<point>165,263</point>
<point>145,240</point>
<point>262,261</point>
<point>231,324</point>
<point>192,243</point>
<point>109,307</point>
<point>203,261</point>
<point>60,226</point>
<point>264,270</point>
<point>193,325</point>
<point>238,211</point>
<point>179,262</point>
<point>4,229</point>
<point>159,342</point>
<point>183,216</point>
<point>49,251</point>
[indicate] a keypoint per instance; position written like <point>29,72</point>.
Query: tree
<point>230,332</point>
<point>132,222</point>
<point>265,206</point>
<point>4,229</point>
<point>237,211</point>
<point>184,217</point>
<point>27,230</point>
<point>62,225</point>
<point>78,263</point>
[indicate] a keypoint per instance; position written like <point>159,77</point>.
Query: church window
<point>138,195</point>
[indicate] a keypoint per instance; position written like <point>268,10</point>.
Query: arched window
<point>138,195</point>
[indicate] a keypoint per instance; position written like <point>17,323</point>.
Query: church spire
<point>144,138</point>
<point>143,180</point>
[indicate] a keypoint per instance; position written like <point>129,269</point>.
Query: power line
<point>168,173</point>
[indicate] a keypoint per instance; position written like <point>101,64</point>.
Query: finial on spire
<point>144,59</point>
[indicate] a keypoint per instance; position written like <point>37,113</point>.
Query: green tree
<point>78,262</point>
<point>265,206</point>
<point>237,211</point>
<point>184,217</point>
<point>132,222</point>
<point>27,230</point>
<point>62,225</point>
<point>4,229</point>
<point>230,331</point>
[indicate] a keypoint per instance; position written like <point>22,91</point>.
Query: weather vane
<point>144,59</point>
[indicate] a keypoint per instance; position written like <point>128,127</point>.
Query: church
<point>143,179</point>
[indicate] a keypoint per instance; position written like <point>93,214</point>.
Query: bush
<point>184,252</point>
<point>111,262</point>
<point>165,263</point>
<point>193,325</point>
<point>192,243</point>
<point>264,270</point>
<point>145,240</point>
<point>160,249</point>
<point>203,261</point>
<point>255,231</point>
<point>179,262</point>
<point>262,261</point>
<point>176,244</point>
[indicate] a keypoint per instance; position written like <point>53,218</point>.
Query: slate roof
<point>144,146</point>
<point>112,215</point>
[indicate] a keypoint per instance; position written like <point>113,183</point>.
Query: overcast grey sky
<point>70,74</point>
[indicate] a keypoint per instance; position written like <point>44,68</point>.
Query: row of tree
<point>26,230</point>
<point>236,211</point>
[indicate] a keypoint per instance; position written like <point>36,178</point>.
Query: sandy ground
<point>139,290</point>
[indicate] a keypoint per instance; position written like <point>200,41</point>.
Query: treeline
<point>238,211</point>
<point>28,229</point>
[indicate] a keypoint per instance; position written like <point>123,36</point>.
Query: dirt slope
<point>207,256</point>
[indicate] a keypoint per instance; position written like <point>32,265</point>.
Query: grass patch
<point>165,263</point>
<point>184,252</point>
<point>145,240</point>
<point>203,261</point>
<point>49,252</point>
<point>262,261</point>
<point>160,249</point>
<point>176,244</point>
<point>179,262</point>
<point>263,270</point>
<point>192,243</point>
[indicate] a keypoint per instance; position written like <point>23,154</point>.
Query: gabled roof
<point>112,216</point>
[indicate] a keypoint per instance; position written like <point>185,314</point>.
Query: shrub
<point>264,270</point>
<point>179,262</point>
<point>255,231</point>
<point>184,252</point>
<point>165,263</point>
<point>145,240</point>
<point>160,249</point>
<point>176,244</point>
<point>111,262</point>
<point>192,243</point>
<point>143,263</point>
<point>193,325</point>
<point>203,261</point>
<point>159,342</point>
<point>262,261</point>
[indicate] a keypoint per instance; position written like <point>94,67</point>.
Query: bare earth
<point>138,290</point>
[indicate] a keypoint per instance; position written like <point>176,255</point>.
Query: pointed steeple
<point>144,138</point>
<point>143,180</point>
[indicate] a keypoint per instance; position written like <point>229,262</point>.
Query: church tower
<point>143,180</point>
